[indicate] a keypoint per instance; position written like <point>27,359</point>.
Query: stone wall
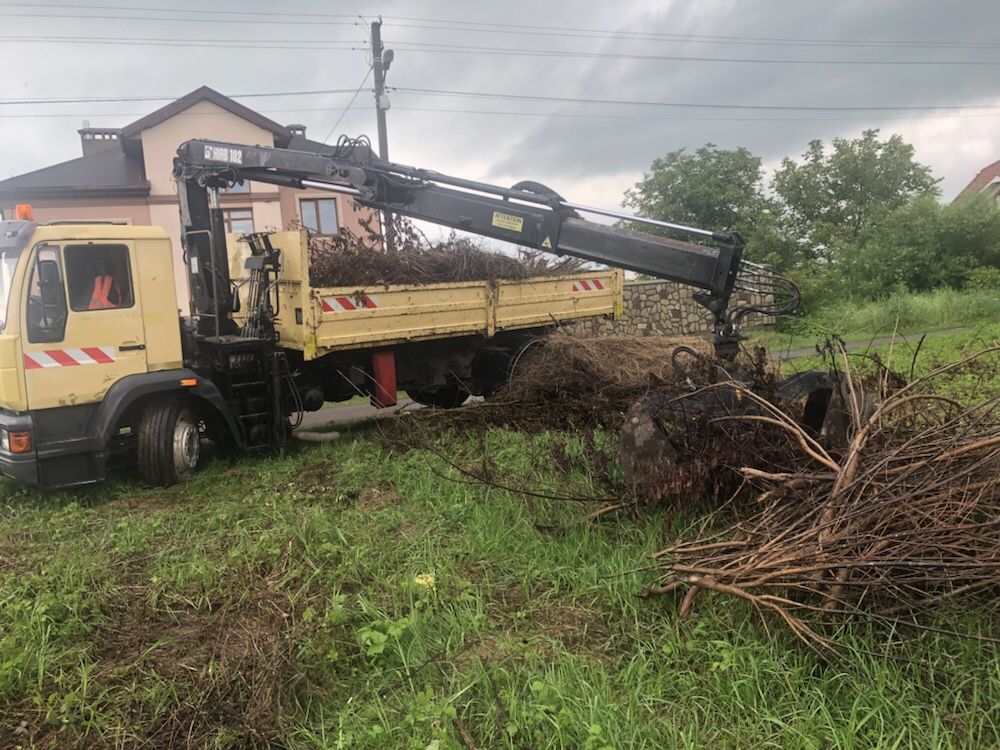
<point>654,308</point>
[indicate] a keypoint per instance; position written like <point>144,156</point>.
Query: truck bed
<point>318,320</point>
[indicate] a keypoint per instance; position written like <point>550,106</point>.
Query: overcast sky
<point>589,152</point>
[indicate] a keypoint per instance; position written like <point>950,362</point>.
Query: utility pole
<point>380,64</point>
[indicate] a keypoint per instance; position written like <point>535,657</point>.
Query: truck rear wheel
<point>169,443</point>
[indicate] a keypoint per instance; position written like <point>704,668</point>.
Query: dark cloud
<point>587,146</point>
<point>594,156</point>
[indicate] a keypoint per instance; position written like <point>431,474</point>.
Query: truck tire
<point>438,396</point>
<point>169,443</point>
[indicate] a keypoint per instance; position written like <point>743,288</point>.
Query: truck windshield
<point>8,263</point>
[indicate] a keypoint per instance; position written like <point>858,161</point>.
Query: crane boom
<point>527,214</point>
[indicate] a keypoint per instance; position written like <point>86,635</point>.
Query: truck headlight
<point>4,440</point>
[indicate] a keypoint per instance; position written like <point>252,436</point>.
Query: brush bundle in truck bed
<point>320,320</point>
<point>349,259</point>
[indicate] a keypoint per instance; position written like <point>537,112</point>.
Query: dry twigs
<point>907,517</point>
<point>348,259</point>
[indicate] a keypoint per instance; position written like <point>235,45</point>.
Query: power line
<point>348,107</point>
<point>270,44</point>
<point>695,105</point>
<point>347,46</point>
<point>699,39</point>
<point>521,97</point>
<point>227,21</point>
<point>104,99</point>
<point>493,27</point>
<point>672,36</point>
<point>662,118</point>
<point>297,45</point>
<point>202,11</point>
<point>494,112</point>
<point>514,51</point>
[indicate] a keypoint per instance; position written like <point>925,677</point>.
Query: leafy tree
<point>711,188</point>
<point>835,196</point>
<point>925,245</point>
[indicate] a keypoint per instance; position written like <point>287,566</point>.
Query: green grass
<point>939,310</point>
<point>911,357</point>
<point>289,601</point>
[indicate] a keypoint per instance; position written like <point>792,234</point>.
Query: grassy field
<point>362,595</point>
<point>939,310</point>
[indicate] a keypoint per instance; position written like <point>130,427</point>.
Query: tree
<point>924,245</point>
<point>837,196</point>
<point>712,188</point>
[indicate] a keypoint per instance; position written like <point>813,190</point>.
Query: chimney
<point>297,129</point>
<point>95,140</point>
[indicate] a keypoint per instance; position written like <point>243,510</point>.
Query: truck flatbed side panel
<point>545,300</point>
<point>347,318</point>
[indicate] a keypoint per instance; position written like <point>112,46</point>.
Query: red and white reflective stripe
<point>90,355</point>
<point>593,285</point>
<point>347,304</point>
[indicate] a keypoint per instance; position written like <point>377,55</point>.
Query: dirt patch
<point>229,672</point>
<point>317,480</point>
<point>8,560</point>
<point>581,630</point>
<point>377,498</point>
<point>539,616</point>
<point>142,504</point>
<point>409,530</point>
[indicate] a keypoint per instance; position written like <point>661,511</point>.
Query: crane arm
<point>526,214</point>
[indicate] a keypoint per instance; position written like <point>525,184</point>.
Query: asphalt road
<point>337,414</point>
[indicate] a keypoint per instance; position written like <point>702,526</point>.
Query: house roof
<point>118,170</point>
<point>981,181</point>
<point>110,172</point>
<point>204,93</point>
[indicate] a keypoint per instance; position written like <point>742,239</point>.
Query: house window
<point>238,220</point>
<point>99,277</point>
<point>319,215</point>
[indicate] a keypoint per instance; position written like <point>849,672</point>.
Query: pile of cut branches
<point>905,518</point>
<point>349,259</point>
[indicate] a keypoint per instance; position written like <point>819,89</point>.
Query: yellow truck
<point>97,364</point>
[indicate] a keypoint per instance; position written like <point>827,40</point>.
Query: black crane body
<point>527,214</point>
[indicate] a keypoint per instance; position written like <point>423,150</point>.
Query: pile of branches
<point>569,381</point>
<point>350,259</point>
<point>565,380</point>
<point>904,518</point>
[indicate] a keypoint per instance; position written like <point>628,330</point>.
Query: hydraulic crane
<point>527,214</point>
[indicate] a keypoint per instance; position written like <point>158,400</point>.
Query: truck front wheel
<point>169,443</point>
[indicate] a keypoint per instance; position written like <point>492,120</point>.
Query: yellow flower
<point>426,580</point>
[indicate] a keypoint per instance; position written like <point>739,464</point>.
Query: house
<point>125,175</point>
<point>987,182</point>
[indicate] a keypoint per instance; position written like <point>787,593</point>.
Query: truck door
<point>83,323</point>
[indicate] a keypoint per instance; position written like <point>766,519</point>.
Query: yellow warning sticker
<point>547,243</point>
<point>508,221</point>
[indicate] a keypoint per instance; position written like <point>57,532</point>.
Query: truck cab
<point>88,327</point>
